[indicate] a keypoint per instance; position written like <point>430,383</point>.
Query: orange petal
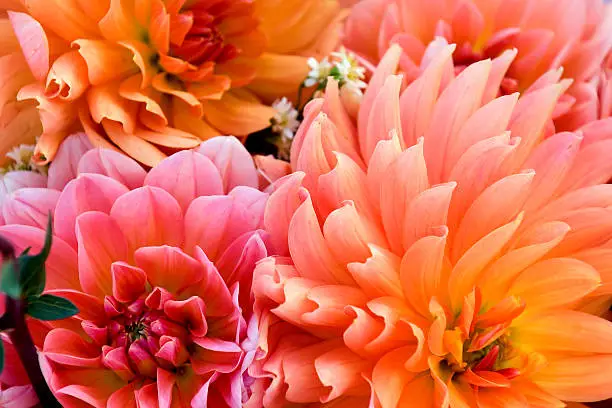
<point>105,60</point>
<point>136,147</point>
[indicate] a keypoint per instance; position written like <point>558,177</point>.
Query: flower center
<point>479,345</point>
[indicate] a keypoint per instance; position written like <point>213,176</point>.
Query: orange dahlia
<point>543,34</point>
<point>146,76</point>
<point>436,251</point>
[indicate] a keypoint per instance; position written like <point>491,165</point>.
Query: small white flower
<point>285,121</point>
<point>350,71</point>
<point>319,71</point>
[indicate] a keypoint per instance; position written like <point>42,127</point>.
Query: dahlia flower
<point>160,266</point>
<point>543,35</point>
<point>15,388</point>
<point>436,252</point>
<point>148,76</point>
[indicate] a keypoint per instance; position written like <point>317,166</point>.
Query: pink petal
<point>149,216</point>
<point>158,261</point>
<point>89,192</point>
<point>68,348</point>
<point>128,282</point>
<point>30,206</point>
<point>186,175</point>
<point>33,41</point>
<point>64,165</point>
<point>100,243</point>
<point>114,165</point>
<point>233,161</point>
<point>191,312</point>
<point>206,221</point>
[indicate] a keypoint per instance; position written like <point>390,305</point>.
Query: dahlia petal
<point>172,350</point>
<point>157,261</point>
<point>342,370</point>
<point>149,216</point>
<point>421,270</point>
<point>389,377</point>
<point>186,175</point>
<point>311,113</point>
<point>300,374</point>
<point>238,261</point>
<point>216,355</point>
<point>346,181</point>
<point>67,79</point>
<point>386,151</point>
<point>426,211</point>
<point>247,212</point>
<point>589,168</point>
<point>33,41</point>
<point>551,160</point>
<point>147,396</point>
<point>89,192</point>
<point>530,116</point>
<point>233,161</point>
<point>384,115</point>
<point>589,228</point>
<point>123,398</point>
<point>116,359</point>
<point>566,330</point>
<point>206,221</point>
<point>576,378</point>
<point>64,166</point>
<point>190,311</point>
<point>114,165</point>
<point>30,206</point>
<point>330,302</point>
<point>490,120</point>
<point>386,67</point>
<point>406,179</point>
<point>313,159</point>
<point>99,54</point>
<point>449,115</point>
<point>168,137</point>
<point>100,243</point>
<point>499,398</point>
<point>66,347</point>
<point>236,114</point>
<point>128,282</point>
<point>136,147</point>
<point>418,100</point>
<point>166,382</point>
<point>280,208</point>
<point>14,180</point>
<point>334,108</point>
<point>378,275</point>
<point>350,244</point>
<point>572,280</point>
<point>499,68</point>
<point>491,211</point>
<point>309,249</point>
<point>470,266</point>
<point>475,170</point>
<point>62,270</point>
<point>530,248</point>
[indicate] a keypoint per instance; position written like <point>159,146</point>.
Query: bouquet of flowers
<point>305,203</point>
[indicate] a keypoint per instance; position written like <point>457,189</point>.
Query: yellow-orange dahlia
<point>543,35</point>
<point>435,252</point>
<point>147,75</point>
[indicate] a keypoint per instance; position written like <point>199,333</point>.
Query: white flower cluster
<point>21,159</point>
<point>284,123</point>
<point>342,66</point>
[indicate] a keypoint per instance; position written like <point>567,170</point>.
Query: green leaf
<point>32,275</point>
<point>1,356</point>
<point>49,307</point>
<point>9,283</point>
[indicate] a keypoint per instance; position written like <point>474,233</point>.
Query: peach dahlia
<point>434,253</point>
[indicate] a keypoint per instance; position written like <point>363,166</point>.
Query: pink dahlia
<point>160,266</point>
<point>533,36</point>
<point>435,252</point>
